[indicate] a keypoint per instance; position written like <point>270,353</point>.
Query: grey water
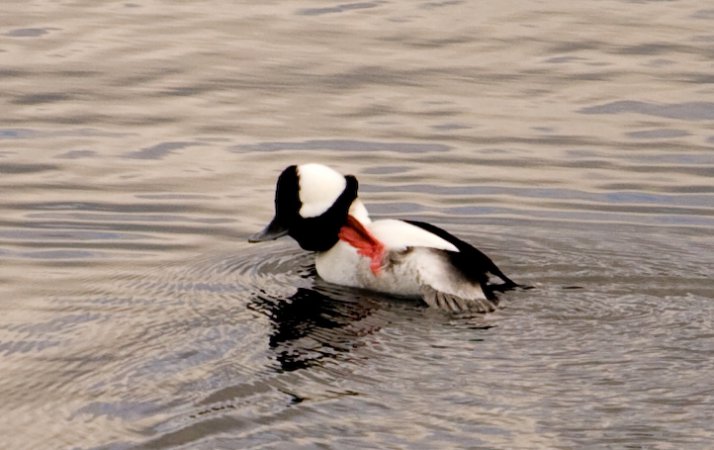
<point>140,141</point>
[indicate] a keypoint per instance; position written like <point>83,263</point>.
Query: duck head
<point>312,203</point>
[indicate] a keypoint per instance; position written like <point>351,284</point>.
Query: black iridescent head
<point>311,205</point>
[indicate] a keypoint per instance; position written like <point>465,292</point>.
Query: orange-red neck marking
<point>356,235</point>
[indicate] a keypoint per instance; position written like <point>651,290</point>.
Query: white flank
<point>320,186</point>
<point>436,271</point>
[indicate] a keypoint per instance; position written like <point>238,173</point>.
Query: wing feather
<point>453,303</point>
<point>447,289</point>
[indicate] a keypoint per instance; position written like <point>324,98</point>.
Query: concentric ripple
<point>259,316</point>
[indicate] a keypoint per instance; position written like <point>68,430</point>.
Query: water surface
<point>139,147</point>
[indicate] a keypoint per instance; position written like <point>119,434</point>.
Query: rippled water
<point>139,146</point>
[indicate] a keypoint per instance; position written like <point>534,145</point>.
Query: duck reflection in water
<point>318,324</point>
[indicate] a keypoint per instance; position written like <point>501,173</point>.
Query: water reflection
<point>311,326</point>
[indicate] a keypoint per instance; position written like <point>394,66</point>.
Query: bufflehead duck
<point>319,208</point>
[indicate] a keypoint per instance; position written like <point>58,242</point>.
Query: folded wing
<point>452,274</point>
<point>448,289</point>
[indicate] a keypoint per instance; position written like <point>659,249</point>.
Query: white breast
<point>342,265</point>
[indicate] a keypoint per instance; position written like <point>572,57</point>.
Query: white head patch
<point>320,187</point>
